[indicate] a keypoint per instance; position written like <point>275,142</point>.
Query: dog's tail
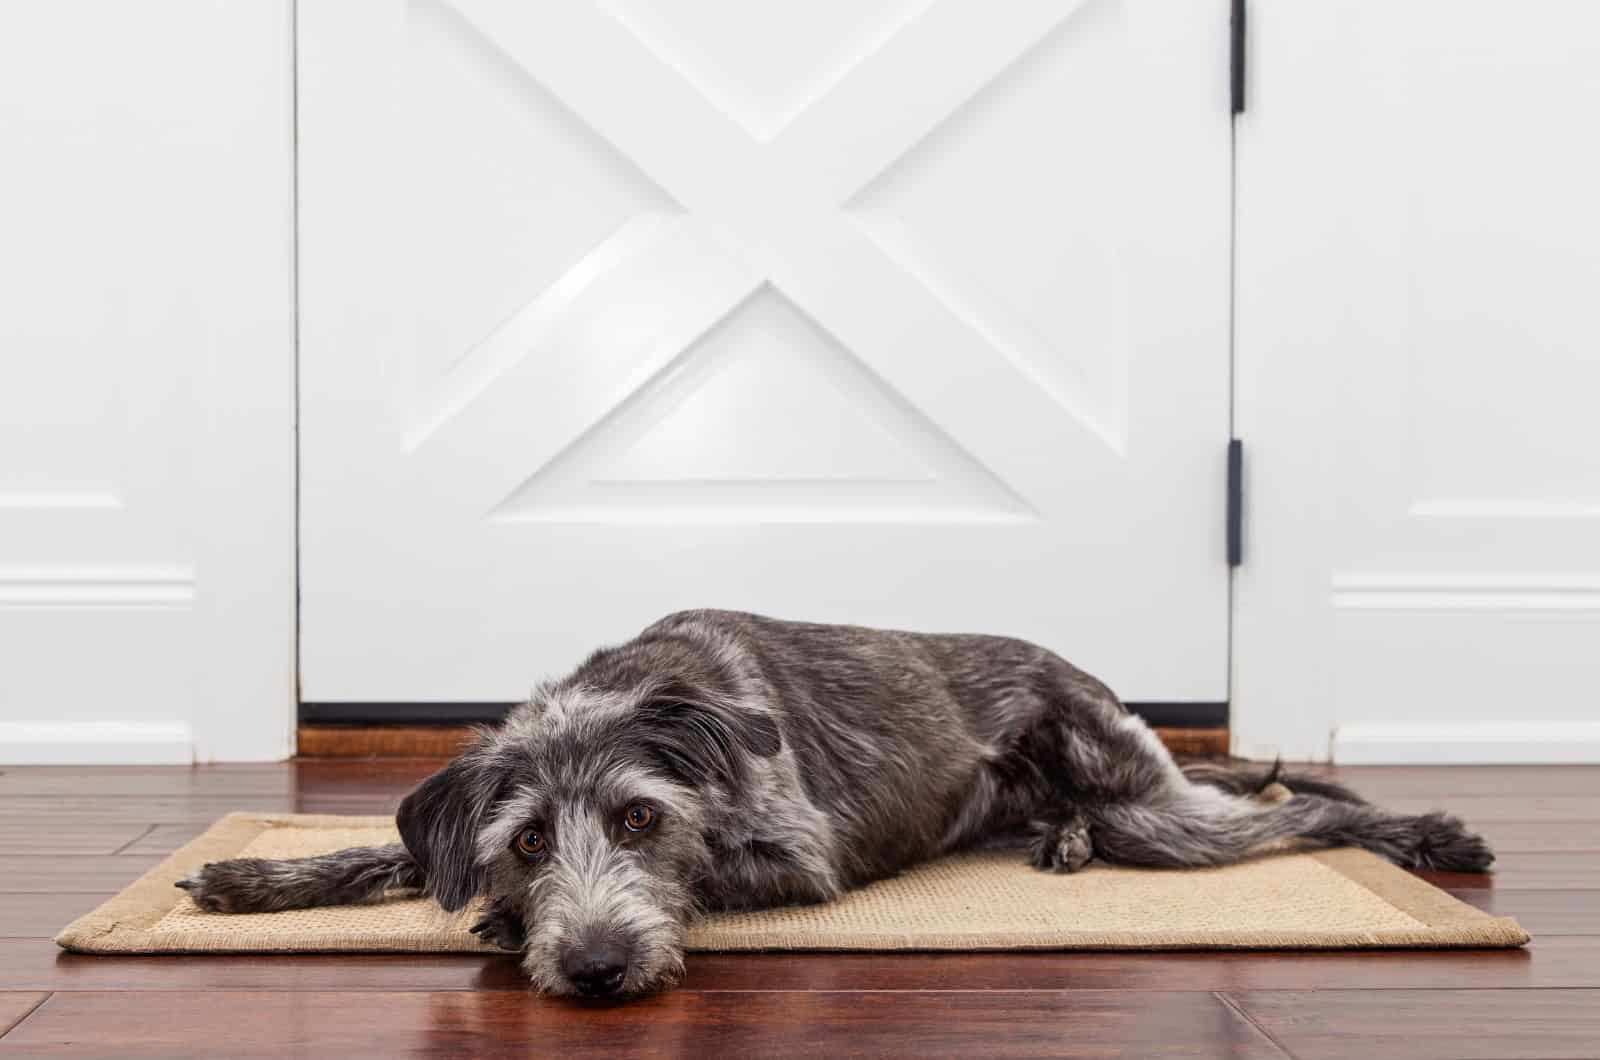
<point>345,877</point>
<point>1244,779</point>
<point>1196,826</point>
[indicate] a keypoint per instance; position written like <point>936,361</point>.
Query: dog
<point>723,761</point>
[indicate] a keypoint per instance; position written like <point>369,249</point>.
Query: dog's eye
<point>530,843</point>
<point>638,817</point>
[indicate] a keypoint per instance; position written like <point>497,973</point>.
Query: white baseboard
<point>42,743</point>
<point>102,588</point>
<point>1467,743</point>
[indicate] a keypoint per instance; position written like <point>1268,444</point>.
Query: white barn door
<point>910,313</point>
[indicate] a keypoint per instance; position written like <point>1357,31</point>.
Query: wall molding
<point>96,743</point>
<point>1467,743</point>
<point>96,587</point>
<point>1467,592</point>
<point>1488,508</point>
<point>52,501</point>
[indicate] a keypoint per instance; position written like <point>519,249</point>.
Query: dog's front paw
<point>228,887</point>
<point>1060,847</point>
<point>502,927</point>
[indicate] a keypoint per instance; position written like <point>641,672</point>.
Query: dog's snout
<point>596,970</point>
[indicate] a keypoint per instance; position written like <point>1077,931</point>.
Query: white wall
<point>146,381</point>
<point>1418,380</point>
<point>1418,362</point>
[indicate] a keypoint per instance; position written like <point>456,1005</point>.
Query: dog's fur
<point>785,762</point>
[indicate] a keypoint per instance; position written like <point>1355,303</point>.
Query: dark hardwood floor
<point>70,837</point>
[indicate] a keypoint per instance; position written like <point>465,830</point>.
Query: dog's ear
<point>439,824</point>
<point>700,738</point>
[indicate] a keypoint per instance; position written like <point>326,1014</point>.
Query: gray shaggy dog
<point>726,761</point>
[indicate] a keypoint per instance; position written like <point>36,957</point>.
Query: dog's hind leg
<point>1198,827</point>
<point>258,885</point>
<point>1247,780</point>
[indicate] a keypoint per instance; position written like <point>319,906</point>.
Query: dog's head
<point>584,820</point>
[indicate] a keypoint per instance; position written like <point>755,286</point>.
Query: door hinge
<point>1236,37</point>
<point>1235,502</point>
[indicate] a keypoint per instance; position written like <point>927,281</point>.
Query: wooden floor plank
<point>1555,961</point>
<point>1421,1025</point>
<point>227,780</point>
<point>35,836</point>
<point>1541,913</point>
<point>1526,837</point>
<point>1448,782</point>
<point>164,838</point>
<point>117,810</point>
<point>112,810</point>
<point>71,873</point>
<point>14,1007</point>
<point>386,776</point>
<point>1573,870</point>
<point>317,802</point>
<point>1197,742</point>
<point>30,916</point>
<point>506,1023</point>
<point>1479,810</point>
<point>247,778</point>
<point>362,741</point>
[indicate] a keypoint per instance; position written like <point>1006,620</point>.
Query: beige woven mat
<point>1345,899</point>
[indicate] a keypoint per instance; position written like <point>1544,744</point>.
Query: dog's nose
<point>596,971</point>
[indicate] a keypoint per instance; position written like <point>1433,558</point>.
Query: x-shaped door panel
<point>759,221</point>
